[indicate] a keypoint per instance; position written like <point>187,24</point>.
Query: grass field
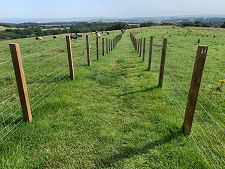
<point>113,114</point>
<point>208,130</point>
<point>2,28</point>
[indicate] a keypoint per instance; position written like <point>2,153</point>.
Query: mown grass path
<point>112,115</point>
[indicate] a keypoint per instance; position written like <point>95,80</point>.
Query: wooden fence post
<point>194,88</point>
<point>21,81</point>
<point>111,44</point>
<point>103,47</point>
<point>88,51</point>
<point>150,53</point>
<point>144,43</point>
<point>70,57</point>
<point>161,73</point>
<point>97,47</point>
<point>140,47</point>
<point>136,45</point>
<point>107,51</point>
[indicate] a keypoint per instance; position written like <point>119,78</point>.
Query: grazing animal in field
<point>73,36</point>
<point>54,37</point>
<point>214,36</point>
<point>76,36</point>
<point>39,38</point>
<point>199,41</point>
<point>123,31</point>
<point>98,35</point>
<point>107,33</point>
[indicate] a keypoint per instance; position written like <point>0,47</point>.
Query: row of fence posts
<point>110,44</point>
<point>139,46</point>
<point>19,71</point>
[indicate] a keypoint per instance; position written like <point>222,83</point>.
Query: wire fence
<point>208,128</point>
<point>45,72</point>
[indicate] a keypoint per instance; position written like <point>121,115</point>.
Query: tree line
<point>24,30</point>
<point>34,29</point>
<point>183,24</point>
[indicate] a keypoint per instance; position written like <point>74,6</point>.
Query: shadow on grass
<point>129,152</point>
<point>139,91</point>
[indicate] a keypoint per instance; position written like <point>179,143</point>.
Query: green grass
<point>112,116</point>
<point>208,126</point>
<point>45,66</point>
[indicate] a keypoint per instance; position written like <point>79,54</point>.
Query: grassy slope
<point>113,115</point>
<point>209,121</point>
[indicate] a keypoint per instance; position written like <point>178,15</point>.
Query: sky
<point>108,8</point>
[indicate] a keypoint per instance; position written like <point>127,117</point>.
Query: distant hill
<point>215,20</point>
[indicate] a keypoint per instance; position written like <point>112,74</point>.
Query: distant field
<point>2,28</point>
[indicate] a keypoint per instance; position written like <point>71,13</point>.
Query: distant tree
<point>147,24</point>
<point>118,26</point>
<point>223,25</point>
<point>167,23</point>
<point>133,26</point>
<point>197,24</point>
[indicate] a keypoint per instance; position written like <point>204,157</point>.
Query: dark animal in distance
<point>76,36</point>
<point>107,33</point>
<point>199,41</point>
<point>54,37</point>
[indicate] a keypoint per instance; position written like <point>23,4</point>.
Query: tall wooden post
<point>111,44</point>
<point>136,45</point>
<point>194,88</point>
<point>161,73</point>
<point>97,47</point>
<point>107,51</point>
<point>108,46</point>
<point>103,47</point>
<point>21,81</point>
<point>140,47</point>
<point>150,53</point>
<point>88,51</point>
<point>70,57</point>
<point>143,56</point>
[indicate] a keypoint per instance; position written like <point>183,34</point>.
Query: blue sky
<point>107,8</point>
